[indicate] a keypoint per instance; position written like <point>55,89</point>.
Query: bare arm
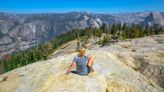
<point>71,67</point>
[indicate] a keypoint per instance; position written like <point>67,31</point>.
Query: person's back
<point>82,62</point>
<point>81,65</point>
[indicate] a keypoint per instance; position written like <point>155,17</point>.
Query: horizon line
<point>62,12</point>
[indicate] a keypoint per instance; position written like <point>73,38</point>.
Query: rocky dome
<point>131,66</point>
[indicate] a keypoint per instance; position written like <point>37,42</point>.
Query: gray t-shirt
<point>81,64</point>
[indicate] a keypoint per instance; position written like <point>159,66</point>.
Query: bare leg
<point>90,64</point>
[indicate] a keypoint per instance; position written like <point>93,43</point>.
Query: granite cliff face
<point>135,65</point>
<point>21,31</point>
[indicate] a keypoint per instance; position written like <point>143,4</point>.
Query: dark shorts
<point>75,72</point>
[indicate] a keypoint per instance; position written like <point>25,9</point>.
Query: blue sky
<point>98,6</point>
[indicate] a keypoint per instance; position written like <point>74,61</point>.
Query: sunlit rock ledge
<point>130,66</point>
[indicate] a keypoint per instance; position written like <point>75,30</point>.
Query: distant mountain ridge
<point>21,31</point>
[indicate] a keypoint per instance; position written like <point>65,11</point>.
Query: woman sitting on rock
<point>82,62</point>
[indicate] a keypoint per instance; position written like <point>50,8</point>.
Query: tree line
<point>43,50</point>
